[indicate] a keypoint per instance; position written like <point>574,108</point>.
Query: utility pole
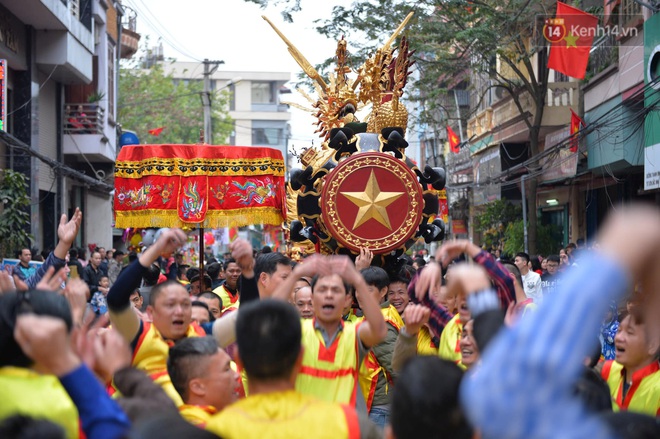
<point>209,68</point>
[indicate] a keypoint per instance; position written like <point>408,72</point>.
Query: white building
<point>259,117</point>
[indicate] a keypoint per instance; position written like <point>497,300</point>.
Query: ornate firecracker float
<point>359,190</point>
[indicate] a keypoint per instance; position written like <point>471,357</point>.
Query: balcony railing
<point>604,53</point>
<point>83,119</point>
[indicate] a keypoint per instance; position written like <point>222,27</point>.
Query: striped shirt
<point>528,371</point>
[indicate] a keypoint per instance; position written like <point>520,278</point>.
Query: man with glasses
<point>550,279</point>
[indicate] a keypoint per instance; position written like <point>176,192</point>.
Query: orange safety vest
<point>150,355</point>
<point>228,299</point>
<point>449,348</point>
<point>643,396</point>
<point>26,392</point>
<point>425,343</point>
<point>329,373</point>
<point>371,369</point>
<point>285,415</point>
<point>197,415</point>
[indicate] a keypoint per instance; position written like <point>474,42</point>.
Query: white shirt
<point>532,286</point>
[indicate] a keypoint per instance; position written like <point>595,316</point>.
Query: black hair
<point>523,255</point>
<point>156,290</point>
<point>186,361</point>
<point>513,270</point>
<point>420,261</point>
<point>200,304</point>
<point>268,262</point>
<point>230,261</point>
<point>26,427</point>
<point>192,272</point>
<point>266,249</point>
<point>43,303</point>
<point>151,276</point>
<point>132,256</point>
<point>426,391</point>
<point>596,352</point>
<point>269,335</point>
<point>554,258</point>
<point>536,264</point>
<point>214,270</point>
<point>376,277</point>
<point>630,425</point>
<point>405,274</point>
<point>211,295</point>
<point>73,253</point>
<point>594,391</point>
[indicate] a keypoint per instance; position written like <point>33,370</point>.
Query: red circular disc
<point>371,200</point>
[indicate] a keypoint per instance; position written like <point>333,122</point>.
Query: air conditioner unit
<point>500,93</point>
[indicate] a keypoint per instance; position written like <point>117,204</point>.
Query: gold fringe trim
<point>214,219</point>
<point>189,167</point>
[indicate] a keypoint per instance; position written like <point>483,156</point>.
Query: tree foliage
<point>149,99</point>
<point>494,221</point>
<point>514,240</point>
<point>15,219</point>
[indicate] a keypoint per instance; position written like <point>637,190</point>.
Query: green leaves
<point>15,218</point>
<point>494,221</point>
<point>150,99</point>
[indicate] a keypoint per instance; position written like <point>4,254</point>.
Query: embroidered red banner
<point>205,185</point>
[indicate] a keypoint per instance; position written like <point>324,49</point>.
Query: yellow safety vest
<point>25,392</point>
<point>425,343</point>
<point>370,369</point>
<point>228,299</point>
<point>150,355</point>
<point>197,415</point>
<point>643,396</point>
<point>285,415</point>
<point>329,373</point>
<point>449,348</point>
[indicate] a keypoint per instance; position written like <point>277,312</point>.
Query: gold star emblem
<point>372,203</point>
<point>571,40</point>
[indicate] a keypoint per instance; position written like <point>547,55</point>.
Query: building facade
<point>60,128</point>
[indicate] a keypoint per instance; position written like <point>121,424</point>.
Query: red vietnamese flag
<point>571,33</point>
<point>454,141</point>
<point>156,131</point>
<point>576,122</point>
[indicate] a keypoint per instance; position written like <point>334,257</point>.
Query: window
<point>267,136</point>
<point>630,9</point>
<point>262,93</point>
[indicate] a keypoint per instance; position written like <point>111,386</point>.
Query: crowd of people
<point>461,344</point>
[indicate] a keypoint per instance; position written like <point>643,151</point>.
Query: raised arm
<point>513,380</point>
<point>45,340</point>
<point>66,233</point>
<point>373,329</point>
<point>242,252</point>
<point>309,267</point>
<point>122,316</point>
<point>498,274</point>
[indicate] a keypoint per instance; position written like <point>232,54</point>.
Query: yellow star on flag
<point>571,40</point>
<point>372,203</point>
